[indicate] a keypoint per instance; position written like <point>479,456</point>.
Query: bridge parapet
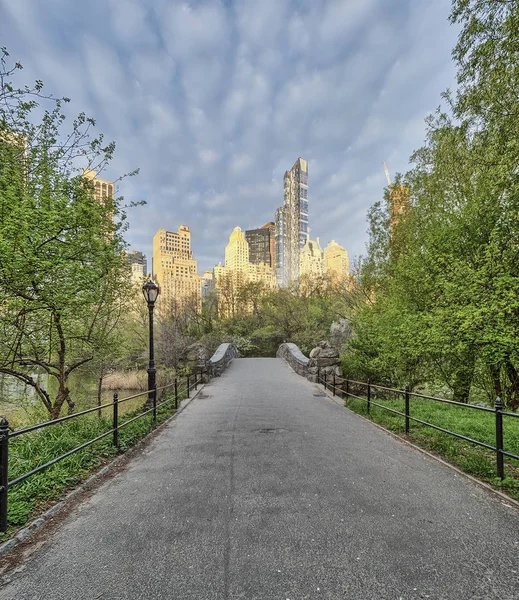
<point>294,357</point>
<point>217,364</point>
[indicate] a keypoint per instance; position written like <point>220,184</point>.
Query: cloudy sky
<point>214,99</point>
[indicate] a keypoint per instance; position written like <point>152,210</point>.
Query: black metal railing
<point>344,390</point>
<point>180,390</point>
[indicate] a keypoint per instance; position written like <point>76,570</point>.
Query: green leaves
<point>444,310</point>
<point>63,279</point>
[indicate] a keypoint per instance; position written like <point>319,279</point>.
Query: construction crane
<point>387,174</point>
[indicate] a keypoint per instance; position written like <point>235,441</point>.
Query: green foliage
<point>28,451</point>
<point>63,279</point>
<point>441,287</point>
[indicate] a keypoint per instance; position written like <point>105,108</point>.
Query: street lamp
<point>151,291</point>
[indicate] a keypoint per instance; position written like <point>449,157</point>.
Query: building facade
<point>238,270</point>
<point>311,262</point>
<point>262,245</point>
<point>337,263</point>
<point>138,266</point>
<point>292,223</point>
<point>103,190</point>
<point>175,270</point>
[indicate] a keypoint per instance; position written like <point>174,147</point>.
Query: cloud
<point>215,99</point>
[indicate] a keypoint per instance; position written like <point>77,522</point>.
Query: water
<point>20,404</point>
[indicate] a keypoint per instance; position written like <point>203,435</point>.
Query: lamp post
<point>151,291</point>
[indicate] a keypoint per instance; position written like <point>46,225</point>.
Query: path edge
<point>505,497</point>
<point>36,524</point>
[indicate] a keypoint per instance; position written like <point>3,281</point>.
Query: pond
<point>22,407</point>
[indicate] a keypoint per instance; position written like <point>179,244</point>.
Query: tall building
<point>262,244</point>
<point>399,204</point>
<point>237,271</point>
<point>103,189</point>
<point>138,266</point>
<point>292,223</point>
<point>311,260</point>
<point>207,282</point>
<point>174,269</point>
<point>337,262</point>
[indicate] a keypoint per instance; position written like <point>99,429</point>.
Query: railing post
<point>499,438</point>
<point>369,395</point>
<point>187,385</point>
<point>325,380</point>
<point>318,374</point>
<point>334,384</point>
<point>116,420</point>
<point>155,407</point>
<point>176,393</point>
<point>347,388</point>
<point>407,408</point>
<point>196,381</point>
<point>4,474</point>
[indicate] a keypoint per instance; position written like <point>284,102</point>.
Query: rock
<point>323,344</point>
<point>312,370</point>
<point>324,362</point>
<point>329,353</point>
<point>315,352</point>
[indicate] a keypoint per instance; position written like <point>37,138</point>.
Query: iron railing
<point>191,383</point>
<point>345,391</point>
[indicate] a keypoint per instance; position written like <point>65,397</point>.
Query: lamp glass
<point>150,291</point>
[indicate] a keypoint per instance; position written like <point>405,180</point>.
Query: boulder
<point>315,352</point>
<point>323,362</point>
<point>329,353</point>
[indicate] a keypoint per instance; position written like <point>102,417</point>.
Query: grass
<point>476,424</point>
<point>26,452</point>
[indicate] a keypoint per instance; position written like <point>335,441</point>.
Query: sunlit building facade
<point>291,225</point>
<point>311,263</point>
<point>337,263</point>
<point>175,270</point>
<point>238,271</point>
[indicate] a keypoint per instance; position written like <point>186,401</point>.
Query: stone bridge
<point>266,488</point>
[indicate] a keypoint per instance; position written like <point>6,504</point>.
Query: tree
<point>63,278</point>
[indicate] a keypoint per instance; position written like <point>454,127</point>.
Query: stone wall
<point>294,357</point>
<point>217,364</point>
<point>324,360</point>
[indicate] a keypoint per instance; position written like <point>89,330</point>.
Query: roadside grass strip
<point>31,497</point>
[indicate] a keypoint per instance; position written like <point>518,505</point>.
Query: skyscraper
<point>337,263</point>
<point>237,272</point>
<point>262,244</point>
<point>138,266</point>
<point>292,223</point>
<point>311,260</point>
<point>103,189</point>
<point>174,269</point>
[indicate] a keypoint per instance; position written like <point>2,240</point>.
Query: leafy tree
<point>63,280</point>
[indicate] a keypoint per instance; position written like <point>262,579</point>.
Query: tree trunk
<point>463,378</point>
<point>99,390</point>
<point>513,395</point>
<point>495,374</point>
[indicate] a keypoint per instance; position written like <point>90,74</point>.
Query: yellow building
<point>238,271</point>
<point>337,262</point>
<point>311,263</point>
<point>174,270</point>
<point>103,189</point>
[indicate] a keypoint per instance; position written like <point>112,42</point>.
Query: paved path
<point>263,490</point>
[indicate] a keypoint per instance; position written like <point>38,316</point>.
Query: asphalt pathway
<point>263,489</point>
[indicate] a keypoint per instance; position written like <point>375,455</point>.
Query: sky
<point>213,100</point>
